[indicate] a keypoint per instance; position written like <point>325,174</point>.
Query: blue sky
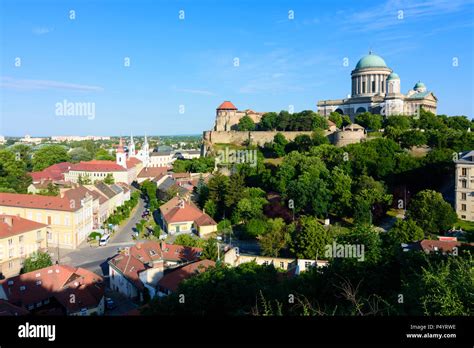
<point>189,63</point>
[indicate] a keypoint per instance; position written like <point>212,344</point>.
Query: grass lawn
<point>467,226</point>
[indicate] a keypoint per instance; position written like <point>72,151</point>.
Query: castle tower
<point>131,147</point>
<point>120,155</point>
<point>224,113</point>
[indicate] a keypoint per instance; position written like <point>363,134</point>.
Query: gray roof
<point>466,157</point>
<point>106,190</point>
<point>166,184</point>
<point>162,153</point>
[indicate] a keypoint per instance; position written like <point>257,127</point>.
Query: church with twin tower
<point>376,88</point>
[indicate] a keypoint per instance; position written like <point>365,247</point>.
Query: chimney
<point>7,219</point>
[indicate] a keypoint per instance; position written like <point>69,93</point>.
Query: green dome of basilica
<point>419,84</point>
<point>393,76</point>
<point>371,61</point>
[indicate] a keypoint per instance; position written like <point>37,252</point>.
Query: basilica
<point>376,89</point>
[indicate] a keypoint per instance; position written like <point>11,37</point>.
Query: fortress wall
<point>257,137</point>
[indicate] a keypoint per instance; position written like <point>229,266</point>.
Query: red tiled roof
<point>227,105</point>
<point>58,281</point>
<point>54,172</point>
<point>172,280</point>
<point>443,246</point>
<point>142,254</point>
<point>37,202</point>
<point>175,252</point>
<point>7,308</point>
<point>152,172</point>
<point>132,162</point>
<point>11,225</point>
<point>98,166</point>
<point>205,220</point>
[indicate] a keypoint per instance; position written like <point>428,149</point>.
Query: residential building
<point>150,173</point>
<point>161,159</point>
<point>170,282</point>
<point>69,216</point>
<point>181,215</point>
<point>141,266</point>
<point>464,186</point>
<point>19,239</point>
<point>54,173</point>
<point>234,258</point>
<point>50,290</point>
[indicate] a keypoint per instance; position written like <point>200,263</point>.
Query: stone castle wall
<point>255,137</point>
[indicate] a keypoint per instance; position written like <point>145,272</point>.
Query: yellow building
<point>19,239</point>
<point>179,215</point>
<point>70,216</point>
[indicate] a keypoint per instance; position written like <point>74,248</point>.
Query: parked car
<point>104,240</point>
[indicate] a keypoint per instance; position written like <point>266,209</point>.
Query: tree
<point>279,143</point>
<point>104,155</point>
<point>336,118</point>
<point>109,179</point>
<point>13,175</point>
<point>211,208</point>
<point>246,124</point>
<point>209,251</point>
<point>275,238</point>
<point>268,121</point>
<point>309,239</point>
<point>36,261</point>
<point>405,231</point>
<point>255,227</point>
<point>399,122</point>
<point>431,212</point>
<point>340,187</point>
<point>412,138</point>
<point>319,138</point>
<point>83,179</point>
<point>218,187</point>
<point>51,190</point>
<point>202,192</point>
<point>369,120</point>
<point>80,154</point>
<point>188,241</point>
<point>319,122</point>
<point>346,120</point>
<point>49,155</point>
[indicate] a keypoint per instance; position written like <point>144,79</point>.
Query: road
<point>95,258</point>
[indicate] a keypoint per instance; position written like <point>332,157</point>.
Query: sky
<point>162,67</point>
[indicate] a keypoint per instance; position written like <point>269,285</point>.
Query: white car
<point>104,240</point>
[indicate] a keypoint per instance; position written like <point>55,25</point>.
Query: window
<point>20,239</point>
<point>463,196</point>
<point>373,86</point>
<point>50,236</point>
<point>363,87</point>
<point>10,264</point>
<point>10,242</point>
<point>10,253</point>
<point>307,264</point>
<point>38,235</point>
<point>22,288</point>
<point>463,171</point>
<point>382,86</point>
<point>38,282</point>
<point>464,184</point>
<point>463,207</point>
<point>463,216</point>
<point>282,264</point>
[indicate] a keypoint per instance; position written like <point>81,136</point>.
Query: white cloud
<point>26,84</point>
